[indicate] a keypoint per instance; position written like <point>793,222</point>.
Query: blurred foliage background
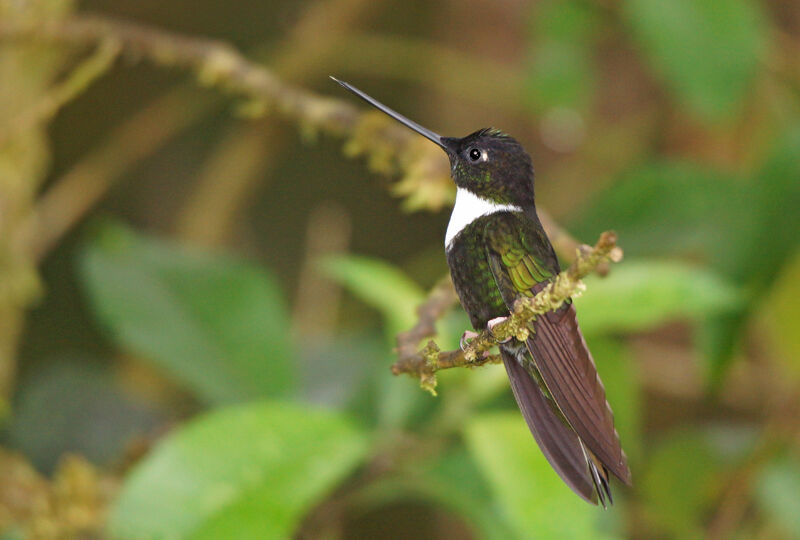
<point>199,290</point>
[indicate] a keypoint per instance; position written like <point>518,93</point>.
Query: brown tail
<point>559,443</point>
<point>568,371</point>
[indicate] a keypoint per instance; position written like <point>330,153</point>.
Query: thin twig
<point>425,363</point>
<point>389,148</point>
<point>440,300</point>
<point>78,80</point>
<point>564,243</point>
<point>215,63</point>
<point>214,206</point>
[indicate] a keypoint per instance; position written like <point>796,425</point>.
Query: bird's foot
<point>494,322</point>
<point>466,337</point>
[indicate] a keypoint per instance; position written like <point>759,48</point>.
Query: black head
<point>488,163</point>
<point>492,165</point>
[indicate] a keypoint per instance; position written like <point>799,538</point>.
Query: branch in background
<point>440,300</point>
<point>215,207</point>
<point>226,179</point>
<point>78,80</point>
<point>74,193</point>
<point>317,299</point>
<point>425,363</point>
<point>388,147</point>
<point>218,64</point>
<point>565,244</point>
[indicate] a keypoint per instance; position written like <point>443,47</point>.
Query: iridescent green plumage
<point>497,258</point>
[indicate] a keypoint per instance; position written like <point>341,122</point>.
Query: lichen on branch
<point>388,147</point>
<point>424,363</point>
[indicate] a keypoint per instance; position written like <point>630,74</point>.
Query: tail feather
<point>567,369</point>
<point>599,477</point>
<point>559,443</point>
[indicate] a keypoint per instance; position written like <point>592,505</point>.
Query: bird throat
<point>468,208</point>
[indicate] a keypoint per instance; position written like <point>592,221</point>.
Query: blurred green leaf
<point>780,313</point>
<point>745,229</point>
<point>707,52</point>
<point>717,339</point>
<point>455,481</point>
<point>760,241</point>
<point>533,497</point>
<point>668,207</point>
<point>638,295</point>
<point>619,373</point>
<point>559,75</point>
<point>215,324</point>
<point>70,405</point>
<point>680,484</point>
<point>248,471</point>
<point>380,285</point>
<point>332,369</point>
<point>389,290</point>
<point>452,481</point>
<point>564,20</point>
<point>383,400</point>
<point>560,68</point>
<point>396,400</point>
<point>778,494</point>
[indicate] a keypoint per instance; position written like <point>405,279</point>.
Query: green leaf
<point>249,471</point>
<point>780,313</point>
<point>770,236</point>
<point>618,370</point>
<point>564,20</point>
<point>387,289</point>
<point>451,481</point>
<point>680,484</point>
<point>215,324</point>
<point>757,244</point>
<point>778,494</point>
<point>532,496</point>
<point>455,481</point>
<point>707,52</point>
<point>669,207</point>
<point>745,229</point>
<point>638,295</point>
<point>380,285</point>
<point>560,72</point>
<point>559,75</point>
<point>72,406</point>
<point>717,340</point>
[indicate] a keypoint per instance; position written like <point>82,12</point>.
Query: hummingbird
<point>498,252</point>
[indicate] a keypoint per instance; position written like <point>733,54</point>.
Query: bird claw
<point>469,335</point>
<point>494,322</point>
<point>465,337</point>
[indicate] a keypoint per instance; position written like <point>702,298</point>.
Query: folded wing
<point>522,264</point>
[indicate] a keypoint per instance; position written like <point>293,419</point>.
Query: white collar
<point>468,208</point>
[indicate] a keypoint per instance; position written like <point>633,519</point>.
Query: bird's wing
<point>557,345</point>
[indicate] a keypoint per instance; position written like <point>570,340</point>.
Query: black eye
<point>474,154</point>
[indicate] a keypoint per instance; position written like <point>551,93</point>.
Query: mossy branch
<point>425,363</point>
<point>81,77</point>
<point>389,148</point>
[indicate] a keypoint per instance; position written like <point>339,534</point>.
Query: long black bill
<point>435,137</point>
